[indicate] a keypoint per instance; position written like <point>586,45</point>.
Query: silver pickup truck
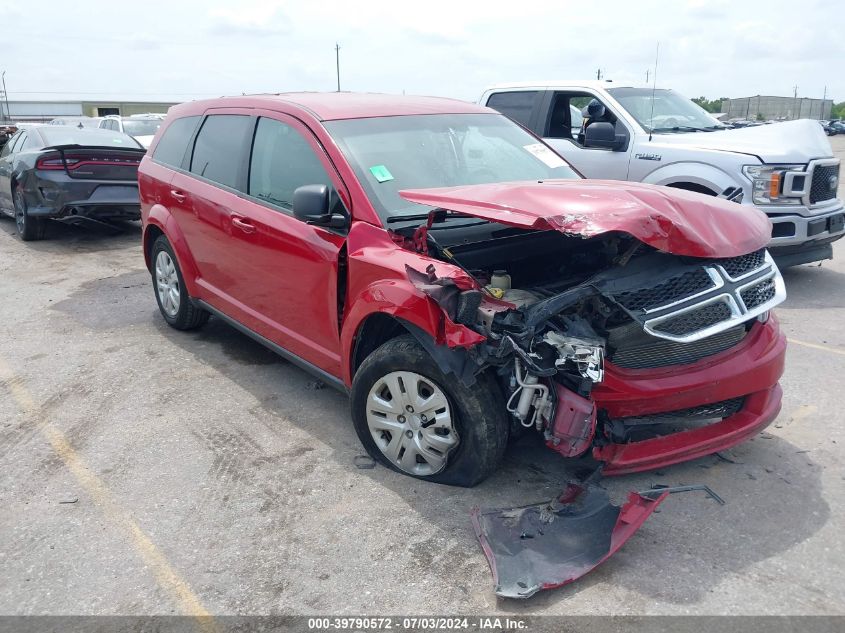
<point>786,170</point>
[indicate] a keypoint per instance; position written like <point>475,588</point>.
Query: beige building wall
<point>124,108</point>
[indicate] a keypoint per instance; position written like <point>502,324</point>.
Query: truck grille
<point>634,349</point>
<point>823,185</point>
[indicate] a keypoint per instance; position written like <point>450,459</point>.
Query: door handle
<point>243,224</point>
<point>178,195</point>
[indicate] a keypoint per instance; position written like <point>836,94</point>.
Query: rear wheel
<point>175,305</point>
<point>29,228</point>
<point>412,418</point>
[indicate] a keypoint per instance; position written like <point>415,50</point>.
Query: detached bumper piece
<point>551,544</point>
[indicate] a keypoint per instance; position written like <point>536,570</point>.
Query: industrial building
<point>36,111</point>
<point>776,108</point>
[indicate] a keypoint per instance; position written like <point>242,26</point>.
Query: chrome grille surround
<point>732,292</point>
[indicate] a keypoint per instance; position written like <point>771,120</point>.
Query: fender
<point>690,171</point>
<point>403,301</point>
<point>161,217</point>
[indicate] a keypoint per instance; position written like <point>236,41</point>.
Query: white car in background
<point>141,127</point>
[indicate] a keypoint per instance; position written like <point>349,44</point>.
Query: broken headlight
<point>586,356</point>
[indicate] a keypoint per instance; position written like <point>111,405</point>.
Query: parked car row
<point>832,128</point>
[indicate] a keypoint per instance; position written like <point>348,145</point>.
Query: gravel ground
<point>147,471</point>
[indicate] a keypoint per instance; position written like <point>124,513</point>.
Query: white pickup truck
<point>786,170</point>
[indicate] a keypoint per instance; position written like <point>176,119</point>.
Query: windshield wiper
<point>684,128</point>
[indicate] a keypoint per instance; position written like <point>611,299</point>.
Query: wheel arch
<point>159,222</point>
<point>692,176</point>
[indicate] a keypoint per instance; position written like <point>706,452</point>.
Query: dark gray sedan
<point>68,174</point>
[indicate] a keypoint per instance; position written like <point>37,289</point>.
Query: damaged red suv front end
<point>669,354</point>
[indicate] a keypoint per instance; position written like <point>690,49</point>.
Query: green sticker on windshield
<point>381,173</point>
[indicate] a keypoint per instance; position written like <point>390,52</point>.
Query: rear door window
<point>282,160</point>
<point>220,147</point>
<point>517,105</point>
<point>173,144</point>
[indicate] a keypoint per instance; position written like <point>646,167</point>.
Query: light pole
<point>337,63</point>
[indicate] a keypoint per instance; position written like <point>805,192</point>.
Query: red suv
<point>462,282</point>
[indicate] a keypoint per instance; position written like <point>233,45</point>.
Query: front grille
<point>714,411</point>
<point>759,294</point>
<point>820,188</point>
<point>738,266</point>
<point>634,349</point>
<point>675,289</point>
<point>695,320</point>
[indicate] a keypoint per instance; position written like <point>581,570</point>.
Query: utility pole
<point>337,63</point>
<point>648,70</point>
<point>598,74</point>
<point>795,102</point>
<point>6,96</point>
<point>822,109</point>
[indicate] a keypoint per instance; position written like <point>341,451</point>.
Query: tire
<point>475,417</point>
<point>174,303</point>
<point>29,229</point>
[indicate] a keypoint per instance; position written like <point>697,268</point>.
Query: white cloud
<point>443,47</point>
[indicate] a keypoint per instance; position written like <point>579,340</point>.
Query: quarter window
<point>174,142</point>
<point>282,160</point>
<point>218,151</point>
<point>514,105</point>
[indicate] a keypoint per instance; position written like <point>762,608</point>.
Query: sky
<point>186,49</point>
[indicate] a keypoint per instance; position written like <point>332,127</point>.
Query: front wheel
<point>175,305</point>
<point>29,228</point>
<point>412,418</point>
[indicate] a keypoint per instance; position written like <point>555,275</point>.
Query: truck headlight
<point>767,183</point>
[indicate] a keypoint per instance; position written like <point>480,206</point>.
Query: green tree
<point>838,111</point>
<point>710,106</point>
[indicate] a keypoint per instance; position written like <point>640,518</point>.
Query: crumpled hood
<point>670,220</point>
<point>788,142</point>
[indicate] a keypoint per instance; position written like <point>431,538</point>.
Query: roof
<point>327,106</point>
<point>558,83</point>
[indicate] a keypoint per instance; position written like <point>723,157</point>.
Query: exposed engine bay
<point>555,309</point>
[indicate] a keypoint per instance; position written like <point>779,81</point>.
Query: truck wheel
<point>412,418</point>
<point>29,228</point>
<point>175,305</point>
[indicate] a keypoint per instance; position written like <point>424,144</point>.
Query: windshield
<point>63,135</point>
<point>672,112</point>
<point>141,127</point>
<point>389,154</point>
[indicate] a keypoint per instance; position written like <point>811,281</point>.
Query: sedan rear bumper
<point>60,197</point>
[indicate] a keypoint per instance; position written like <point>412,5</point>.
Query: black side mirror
<point>603,135</point>
<point>312,204</point>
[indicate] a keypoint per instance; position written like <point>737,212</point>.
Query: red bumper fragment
<point>552,544</point>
